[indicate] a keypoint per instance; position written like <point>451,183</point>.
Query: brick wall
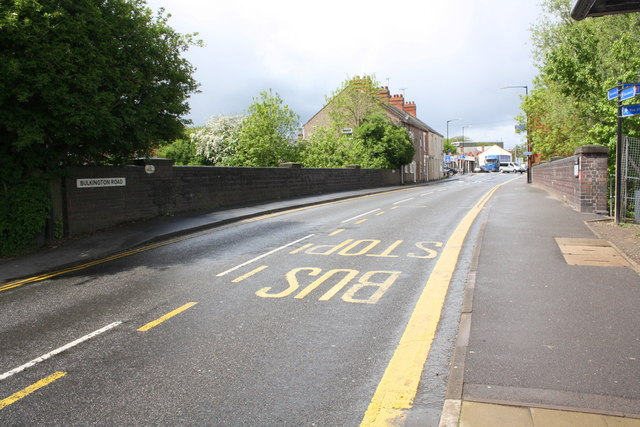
<point>175,189</point>
<point>586,192</point>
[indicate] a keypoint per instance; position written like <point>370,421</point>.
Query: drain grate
<point>590,252</point>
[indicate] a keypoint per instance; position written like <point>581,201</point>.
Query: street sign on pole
<point>629,92</point>
<point>630,110</point>
<point>612,94</point>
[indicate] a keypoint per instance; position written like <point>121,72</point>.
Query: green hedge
<point>24,210</point>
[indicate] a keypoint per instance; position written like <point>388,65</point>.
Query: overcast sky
<point>450,57</point>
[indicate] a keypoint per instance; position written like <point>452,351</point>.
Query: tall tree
<point>84,81</point>
<point>81,81</point>
<point>578,62</point>
<point>268,135</point>
<point>353,101</point>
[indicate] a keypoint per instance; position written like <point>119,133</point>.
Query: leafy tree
<point>375,143</point>
<point>88,82</point>
<point>83,81</point>
<point>384,144</point>
<point>449,147</point>
<point>329,148</point>
<point>578,62</point>
<point>268,135</point>
<point>183,150</point>
<point>353,101</point>
<point>218,140</point>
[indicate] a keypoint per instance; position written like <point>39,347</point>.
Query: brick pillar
<point>593,177</point>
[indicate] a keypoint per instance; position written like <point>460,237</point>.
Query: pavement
<point>548,332</point>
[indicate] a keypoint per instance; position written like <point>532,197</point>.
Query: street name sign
<point>630,110</point>
<point>100,182</point>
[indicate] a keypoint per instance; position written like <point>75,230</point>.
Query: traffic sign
<point>528,153</point>
<point>629,92</point>
<point>630,110</point>
<point>612,93</point>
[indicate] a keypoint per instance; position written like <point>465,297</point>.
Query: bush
<point>24,210</point>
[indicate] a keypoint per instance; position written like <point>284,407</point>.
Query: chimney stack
<point>398,101</point>
<point>410,107</point>
<point>384,95</point>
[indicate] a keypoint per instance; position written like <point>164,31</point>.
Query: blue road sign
<point>629,92</point>
<point>630,110</point>
<point>528,153</point>
<point>612,93</point>
<point>447,159</point>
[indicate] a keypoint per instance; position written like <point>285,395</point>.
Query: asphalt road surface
<point>289,319</point>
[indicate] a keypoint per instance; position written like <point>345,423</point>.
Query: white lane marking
<point>262,256</point>
<point>405,200</point>
<point>58,351</point>
<point>426,194</point>
<point>356,217</point>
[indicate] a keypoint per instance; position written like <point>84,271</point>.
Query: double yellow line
<point>399,384</point>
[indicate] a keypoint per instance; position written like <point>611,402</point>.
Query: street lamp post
<point>467,126</point>
<point>461,146</point>
<point>526,91</point>
<point>448,121</point>
<point>452,120</point>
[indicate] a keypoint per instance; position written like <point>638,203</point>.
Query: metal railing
<point>630,177</point>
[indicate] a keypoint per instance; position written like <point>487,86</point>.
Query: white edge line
<point>356,217</point>
<point>263,255</point>
<point>58,351</point>
<point>405,200</point>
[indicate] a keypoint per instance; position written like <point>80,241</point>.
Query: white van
<point>508,167</point>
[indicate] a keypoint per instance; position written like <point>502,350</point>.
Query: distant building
<point>428,161</point>
<point>467,157</point>
<point>495,149</point>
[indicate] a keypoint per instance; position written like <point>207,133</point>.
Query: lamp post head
<point>526,88</point>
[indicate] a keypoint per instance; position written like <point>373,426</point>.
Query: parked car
<point>448,171</point>
<point>508,167</point>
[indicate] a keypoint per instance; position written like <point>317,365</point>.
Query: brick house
<point>429,144</point>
